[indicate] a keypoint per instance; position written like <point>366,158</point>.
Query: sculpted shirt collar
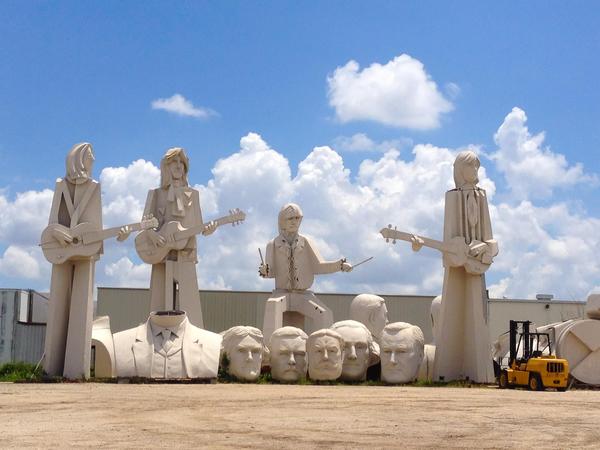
<point>283,241</point>
<point>177,331</point>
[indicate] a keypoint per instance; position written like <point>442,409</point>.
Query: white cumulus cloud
<point>179,105</point>
<point>399,93</point>
<point>531,169</point>
<point>360,142</point>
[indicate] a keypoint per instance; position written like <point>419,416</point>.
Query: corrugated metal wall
<point>19,341</point>
<point>224,309</point>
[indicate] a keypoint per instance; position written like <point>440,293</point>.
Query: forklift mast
<point>514,330</point>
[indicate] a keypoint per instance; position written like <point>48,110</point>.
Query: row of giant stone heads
<point>168,346</point>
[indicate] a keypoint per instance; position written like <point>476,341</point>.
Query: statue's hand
<point>209,228</point>
<point>263,270</point>
<point>124,233</point>
<point>477,248</point>
<point>346,266</point>
<point>64,238</point>
<point>416,243</point>
<point>156,238</point>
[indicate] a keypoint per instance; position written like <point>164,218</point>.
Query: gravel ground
<point>277,416</point>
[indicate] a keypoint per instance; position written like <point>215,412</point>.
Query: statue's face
<point>325,358</point>
<point>469,171</point>
<point>288,358</point>
<point>356,353</point>
<point>176,168</point>
<point>88,162</point>
<point>291,223</point>
<point>245,359</point>
<point>400,357</point>
<point>380,320</point>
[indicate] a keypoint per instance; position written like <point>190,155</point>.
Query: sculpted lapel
<point>143,349</point>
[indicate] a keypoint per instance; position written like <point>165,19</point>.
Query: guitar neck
<point>193,231</point>
<point>427,242</point>
<point>97,236</point>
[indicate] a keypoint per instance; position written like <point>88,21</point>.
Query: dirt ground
<point>275,416</point>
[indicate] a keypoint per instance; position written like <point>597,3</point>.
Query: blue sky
<point>85,71</point>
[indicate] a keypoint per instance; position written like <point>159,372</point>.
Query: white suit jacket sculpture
<point>76,202</point>
<point>293,260</point>
<point>183,351</point>
<point>174,201</point>
<point>463,350</point>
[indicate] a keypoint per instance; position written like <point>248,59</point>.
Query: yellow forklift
<point>533,368</point>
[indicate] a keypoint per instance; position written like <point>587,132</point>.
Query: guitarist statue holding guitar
<point>72,242</point>
<point>463,349</point>
<point>172,249</point>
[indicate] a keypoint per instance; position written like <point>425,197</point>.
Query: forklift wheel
<point>503,380</point>
<point>535,382</point>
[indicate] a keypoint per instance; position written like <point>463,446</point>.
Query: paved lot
<point>276,416</point>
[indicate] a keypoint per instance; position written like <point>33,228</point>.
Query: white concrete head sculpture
<point>325,355</point>
<point>287,349</point>
<point>245,349</point>
<point>401,352</point>
<point>592,307</point>
<point>466,166</point>
<point>370,310</point>
<point>359,349</point>
<point>79,163</point>
<point>174,166</point>
<point>289,218</point>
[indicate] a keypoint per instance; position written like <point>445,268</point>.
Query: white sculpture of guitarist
<point>468,248</point>
<point>76,205</point>
<point>177,207</point>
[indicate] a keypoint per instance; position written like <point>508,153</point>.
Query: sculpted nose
<point>292,360</point>
<point>352,354</point>
<point>249,356</point>
<point>325,355</point>
<point>393,358</point>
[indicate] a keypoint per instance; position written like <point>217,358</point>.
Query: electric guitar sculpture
<point>456,249</point>
<point>86,239</point>
<point>154,254</point>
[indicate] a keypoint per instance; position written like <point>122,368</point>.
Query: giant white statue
<point>293,260</point>
<point>360,350</point>
<point>401,352</point>
<point>176,205</point>
<point>167,346</point>
<point>172,249</point>
<point>463,348</point>
<point>426,369</point>
<point>371,311</point>
<point>287,349</point>
<point>325,355</point>
<point>244,348</point>
<point>72,242</point>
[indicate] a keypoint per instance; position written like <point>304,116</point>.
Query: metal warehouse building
<point>23,313</point>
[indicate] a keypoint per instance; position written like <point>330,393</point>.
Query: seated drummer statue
<point>293,260</point>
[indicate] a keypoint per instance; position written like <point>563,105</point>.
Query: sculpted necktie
<point>167,343</point>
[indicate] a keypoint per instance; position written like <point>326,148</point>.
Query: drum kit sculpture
<point>172,343</point>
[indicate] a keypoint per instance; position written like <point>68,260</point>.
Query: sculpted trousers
<point>70,312</point>
<point>161,289</point>
<point>464,349</point>
<point>304,302</point>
